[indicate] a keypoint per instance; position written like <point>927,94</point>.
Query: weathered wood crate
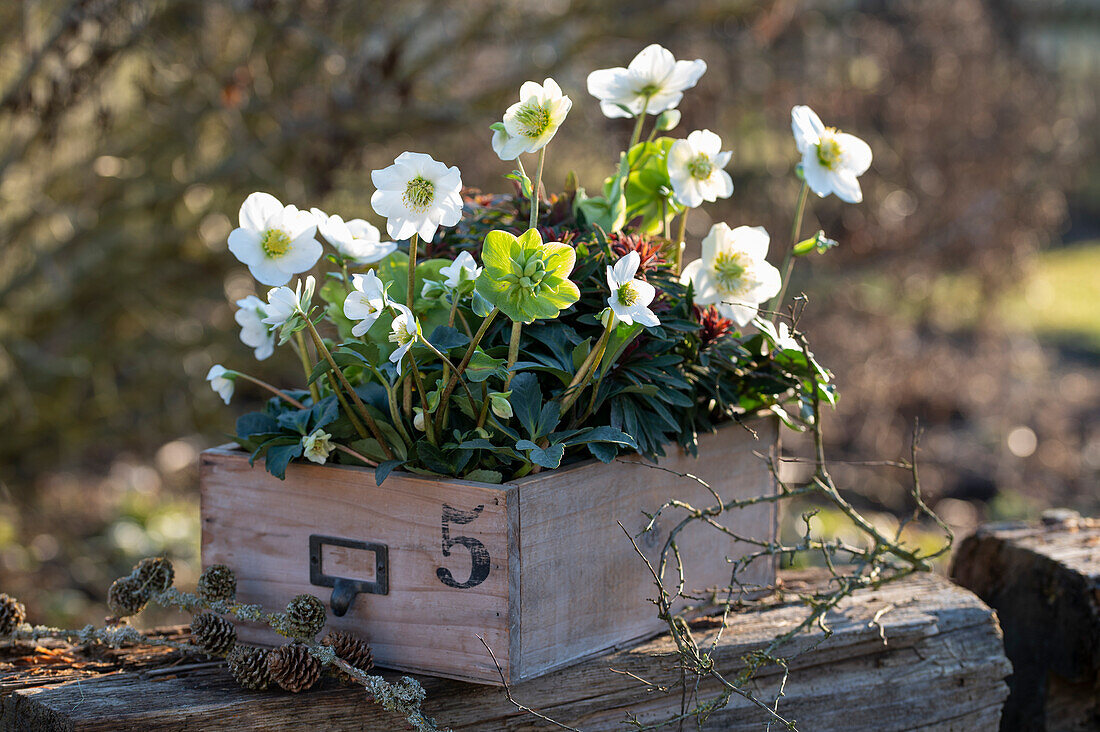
<point>918,654</point>
<point>539,568</point>
<point>1044,582</point>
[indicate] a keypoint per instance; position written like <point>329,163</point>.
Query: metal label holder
<point>344,589</point>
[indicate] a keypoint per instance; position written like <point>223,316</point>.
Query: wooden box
<point>538,567</point>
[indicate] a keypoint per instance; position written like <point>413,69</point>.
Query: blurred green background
<point>964,292</point>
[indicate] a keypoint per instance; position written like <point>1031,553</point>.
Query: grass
<point>1061,298</point>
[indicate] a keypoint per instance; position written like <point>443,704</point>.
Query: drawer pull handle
<point>345,589</point>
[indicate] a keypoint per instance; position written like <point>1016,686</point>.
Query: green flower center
<point>419,193</point>
<point>700,167</point>
<point>533,120</point>
<point>828,150</point>
<point>627,294</point>
<point>649,90</point>
<point>728,270</point>
<point>275,243</point>
<point>400,333</point>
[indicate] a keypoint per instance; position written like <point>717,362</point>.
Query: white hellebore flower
<point>733,273</point>
<point>695,167</point>
<point>832,161</point>
<point>461,271</point>
<point>654,81</point>
<point>275,241</point>
<point>254,333</point>
<point>630,298</point>
<point>357,240</point>
<point>317,446</point>
<point>405,331</point>
<point>366,302</point>
<point>532,122</point>
<point>417,195</point>
<point>221,381</point>
<point>282,302</point>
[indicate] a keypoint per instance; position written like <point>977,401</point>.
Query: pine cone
<point>155,574</point>
<point>305,616</point>
<point>248,665</point>
<point>350,648</point>
<point>12,614</point>
<point>293,668</point>
<point>126,597</point>
<point>217,582</point>
<point>213,632</point>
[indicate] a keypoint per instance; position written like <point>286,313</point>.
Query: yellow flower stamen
<point>627,294</point>
<point>275,243</point>
<point>419,193</point>
<point>828,149</point>
<point>701,167</point>
<point>534,119</point>
<point>728,270</point>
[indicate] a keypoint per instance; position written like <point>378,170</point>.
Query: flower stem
<point>637,128</point>
<point>354,454</point>
<point>367,419</point>
<point>584,373</point>
<point>418,379</point>
<point>410,296</point>
<point>513,350</point>
<point>788,258</point>
<point>347,407</point>
<point>281,394</point>
<point>307,367</point>
<point>681,234</point>
<point>453,381</point>
<point>535,189</point>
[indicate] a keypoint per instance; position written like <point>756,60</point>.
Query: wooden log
<point>1044,582</point>
<point>919,654</point>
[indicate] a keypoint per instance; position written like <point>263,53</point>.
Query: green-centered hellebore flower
<point>526,279</point>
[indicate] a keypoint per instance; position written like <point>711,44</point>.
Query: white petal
<point>613,110</point>
<point>245,245</point>
<point>361,229</point>
<point>846,186</point>
<point>612,283</point>
<point>264,351</point>
<point>403,227</point>
<point>267,272</point>
<point>856,154</point>
<point>817,176</point>
<point>715,241</point>
<point>258,209</point>
<point>752,240</point>
<point>706,142</point>
<point>645,316</point>
<point>687,191</point>
<point>530,89</point>
<point>740,313</point>
<point>607,84</point>
<point>722,184</point>
<point>388,203</point>
<point>391,178</point>
<point>627,267</point>
<point>653,63</point>
<point>769,281</point>
<point>301,256</point>
<point>806,126</point>
<point>685,74</point>
<point>663,100</point>
<point>645,293</point>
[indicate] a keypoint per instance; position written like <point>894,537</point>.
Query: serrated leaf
<point>255,423</point>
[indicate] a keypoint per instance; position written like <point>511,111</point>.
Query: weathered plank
<point>261,526</point>
<point>583,587</point>
<point>941,667</point>
<point>1044,582</point>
